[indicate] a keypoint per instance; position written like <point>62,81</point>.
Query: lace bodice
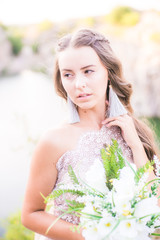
<point>81,158</point>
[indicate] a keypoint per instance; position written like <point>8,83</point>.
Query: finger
<point>115,123</point>
<point>107,120</point>
<point>125,116</point>
<point>122,118</point>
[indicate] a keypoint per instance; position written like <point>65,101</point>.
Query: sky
<point>33,11</point>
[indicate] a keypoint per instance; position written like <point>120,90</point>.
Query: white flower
<point>126,184</point>
<point>85,222</point>
<point>89,208</point>
<point>145,207</point>
<point>105,226</point>
<point>142,236</point>
<point>143,231</point>
<point>127,229</point>
<point>122,205</point>
<point>91,233</point>
<point>125,188</point>
<point>127,172</point>
<point>95,177</point>
<point>142,182</point>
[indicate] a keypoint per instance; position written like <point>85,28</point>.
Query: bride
<point>89,77</point>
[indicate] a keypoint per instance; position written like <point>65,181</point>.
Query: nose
<point>80,82</point>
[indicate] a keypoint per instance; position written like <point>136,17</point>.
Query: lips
<point>83,95</point>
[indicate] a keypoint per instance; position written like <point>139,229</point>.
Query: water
<point>28,108</point>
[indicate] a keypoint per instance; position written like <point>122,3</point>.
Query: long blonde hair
<point>123,89</point>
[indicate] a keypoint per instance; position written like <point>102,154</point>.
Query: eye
<point>67,75</point>
<point>88,71</point>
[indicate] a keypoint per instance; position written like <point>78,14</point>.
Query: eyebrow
<point>81,68</point>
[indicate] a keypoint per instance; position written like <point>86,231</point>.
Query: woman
<point>88,76</point>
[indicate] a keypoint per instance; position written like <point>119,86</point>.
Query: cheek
<point>67,86</point>
<point>101,84</point>
<point>105,81</point>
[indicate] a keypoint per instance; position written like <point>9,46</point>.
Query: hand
<point>128,130</point>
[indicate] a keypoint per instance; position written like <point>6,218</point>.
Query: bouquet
<point>119,203</point>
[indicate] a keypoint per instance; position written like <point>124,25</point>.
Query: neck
<point>93,117</point>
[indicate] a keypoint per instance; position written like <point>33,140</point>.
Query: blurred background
<point>29,106</point>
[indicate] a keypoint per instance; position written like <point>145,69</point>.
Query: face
<point>83,76</point>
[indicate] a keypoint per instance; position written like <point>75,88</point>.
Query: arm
<point>42,178</point>
<point>139,153</point>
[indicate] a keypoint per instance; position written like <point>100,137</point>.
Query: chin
<point>86,106</point>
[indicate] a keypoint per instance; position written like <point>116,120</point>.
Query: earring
<point>73,113</point>
<point>116,108</point>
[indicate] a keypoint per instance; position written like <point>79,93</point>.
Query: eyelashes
<point>88,71</point>
<point>69,75</point>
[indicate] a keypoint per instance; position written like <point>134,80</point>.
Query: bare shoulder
<point>55,142</point>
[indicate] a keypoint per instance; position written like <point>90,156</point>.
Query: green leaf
<point>74,204</point>
<point>142,170</point>
<point>58,192</point>
<point>72,175</point>
<point>113,161</point>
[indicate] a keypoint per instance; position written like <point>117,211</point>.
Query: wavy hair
<point>123,89</point>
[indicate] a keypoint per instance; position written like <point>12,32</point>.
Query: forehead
<point>78,57</point>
